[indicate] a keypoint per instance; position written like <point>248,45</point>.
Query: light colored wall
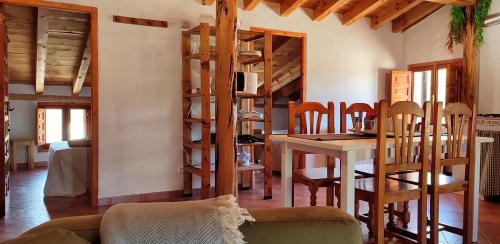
<point>140,81</point>
<point>489,72</point>
<point>23,118</point>
<point>426,42</point>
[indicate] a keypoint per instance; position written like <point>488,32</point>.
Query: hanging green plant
<point>458,21</point>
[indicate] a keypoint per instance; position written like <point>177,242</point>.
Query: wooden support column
<point>186,104</point>
<point>225,74</point>
<point>42,38</point>
<point>469,81</point>
<point>268,110</point>
<point>205,109</point>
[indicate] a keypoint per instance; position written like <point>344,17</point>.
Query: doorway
<point>51,82</point>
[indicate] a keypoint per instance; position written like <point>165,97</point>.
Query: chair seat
<point>446,183</point>
<point>365,190</point>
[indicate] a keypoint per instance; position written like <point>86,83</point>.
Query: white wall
<point>425,42</point>
<point>23,118</point>
<point>140,81</point>
<point>489,72</point>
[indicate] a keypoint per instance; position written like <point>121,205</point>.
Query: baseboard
<point>41,164</point>
<point>164,196</point>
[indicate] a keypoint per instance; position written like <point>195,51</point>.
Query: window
<point>77,124</point>
<point>53,125</point>
<point>60,122</point>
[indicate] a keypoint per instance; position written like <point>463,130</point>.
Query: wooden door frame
<point>93,12</point>
<point>303,68</point>
<point>433,66</point>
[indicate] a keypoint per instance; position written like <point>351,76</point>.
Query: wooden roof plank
<point>414,16</point>
<point>360,10</point>
<point>250,4</point>
<point>325,7</point>
<point>288,6</point>
<point>393,11</point>
<point>41,54</point>
<point>82,71</point>
<point>455,2</point>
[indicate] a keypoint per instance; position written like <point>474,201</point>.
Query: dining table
<point>349,151</point>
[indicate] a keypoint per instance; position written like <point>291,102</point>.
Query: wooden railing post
<point>225,73</point>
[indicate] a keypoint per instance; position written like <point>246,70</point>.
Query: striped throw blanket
<point>207,221</point>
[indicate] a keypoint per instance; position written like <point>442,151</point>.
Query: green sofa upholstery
<point>278,225</point>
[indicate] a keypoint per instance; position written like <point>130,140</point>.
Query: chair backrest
<point>403,116</point>
<point>355,110</point>
<point>456,115</point>
<point>311,112</point>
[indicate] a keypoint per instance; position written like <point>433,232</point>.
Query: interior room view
<point>250,121</point>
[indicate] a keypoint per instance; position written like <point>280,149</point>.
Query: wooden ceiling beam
<point>288,6</point>
<point>250,4</point>
<point>455,2</point>
<point>207,2</point>
<point>325,7</point>
<point>414,16</point>
<point>42,36</point>
<point>393,11</point>
<point>360,10</point>
<point>48,98</point>
<point>84,67</point>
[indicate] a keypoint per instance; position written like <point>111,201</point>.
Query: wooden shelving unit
<point>205,95</point>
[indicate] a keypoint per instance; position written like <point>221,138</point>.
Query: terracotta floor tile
<point>26,207</point>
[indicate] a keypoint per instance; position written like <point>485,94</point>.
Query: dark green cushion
<point>49,237</point>
<point>302,225</point>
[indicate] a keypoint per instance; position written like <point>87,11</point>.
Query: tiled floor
<point>27,207</point>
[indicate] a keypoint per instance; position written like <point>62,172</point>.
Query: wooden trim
<point>139,21</point>
<point>432,63</point>
<point>303,65</point>
<point>163,196</point>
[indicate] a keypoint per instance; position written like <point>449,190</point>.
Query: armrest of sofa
<point>86,227</point>
<point>302,225</point>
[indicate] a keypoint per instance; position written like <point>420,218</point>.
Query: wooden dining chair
<point>456,116</point>
<point>361,111</point>
<point>381,189</point>
<point>314,178</point>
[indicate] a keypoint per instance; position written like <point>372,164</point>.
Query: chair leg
<point>313,189</point>
<point>391,222</point>
<point>337,194</point>
<point>434,218</point>
<point>467,229</point>
<point>370,222</point>
<point>293,193</point>
<point>356,209</point>
<point>405,218</point>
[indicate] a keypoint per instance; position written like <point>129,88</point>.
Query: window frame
<point>66,120</point>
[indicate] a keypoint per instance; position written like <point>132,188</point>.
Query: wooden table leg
<point>286,175</point>
<point>347,165</point>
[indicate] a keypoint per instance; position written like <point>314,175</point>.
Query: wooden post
<point>186,104</point>
<point>268,110</point>
<point>205,109</point>
<point>3,84</point>
<point>225,73</point>
<point>469,82</point>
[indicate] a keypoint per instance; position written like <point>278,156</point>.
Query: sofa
<point>278,225</point>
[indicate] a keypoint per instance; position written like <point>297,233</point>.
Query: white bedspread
<point>67,173</point>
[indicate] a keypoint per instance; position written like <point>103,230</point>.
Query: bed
<point>67,170</point>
